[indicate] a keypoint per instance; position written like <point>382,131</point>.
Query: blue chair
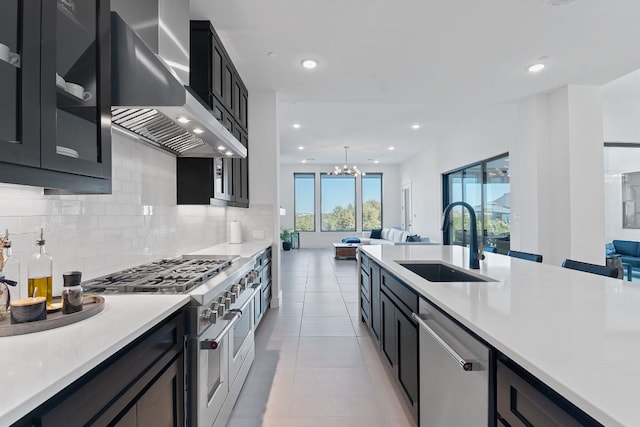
<point>525,255</point>
<point>590,268</point>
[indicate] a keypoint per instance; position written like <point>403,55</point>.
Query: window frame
<point>362,180</point>
<point>295,213</point>
<point>446,196</point>
<point>355,204</point>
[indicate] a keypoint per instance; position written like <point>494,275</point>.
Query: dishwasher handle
<point>466,365</point>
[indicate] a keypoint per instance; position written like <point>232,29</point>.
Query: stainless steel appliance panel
<point>212,384</point>
<point>454,373</point>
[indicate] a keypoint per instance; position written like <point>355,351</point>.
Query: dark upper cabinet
<point>56,131</point>
<point>213,76</point>
<point>216,82</point>
<point>241,174</point>
<point>20,83</point>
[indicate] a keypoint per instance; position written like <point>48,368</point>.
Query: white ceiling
<point>384,65</point>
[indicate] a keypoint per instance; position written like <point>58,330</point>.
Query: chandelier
<point>346,170</point>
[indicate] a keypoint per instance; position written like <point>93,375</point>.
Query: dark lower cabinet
<point>385,307</point>
<point>407,335</point>
<point>521,401</point>
<point>142,385</point>
<point>376,325</point>
<point>263,300</point>
<point>389,338</point>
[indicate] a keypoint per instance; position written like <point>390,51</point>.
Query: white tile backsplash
<point>137,223</point>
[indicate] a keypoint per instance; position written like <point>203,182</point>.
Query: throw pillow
<point>350,240</point>
<point>385,233</point>
<point>376,233</point>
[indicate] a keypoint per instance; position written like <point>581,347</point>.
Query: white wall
<point>621,109</point>
<point>391,193</point>
<point>264,176</point>
<point>555,146</point>
<point>488,134</point>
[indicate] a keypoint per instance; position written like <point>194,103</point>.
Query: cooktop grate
<point>172,276</point>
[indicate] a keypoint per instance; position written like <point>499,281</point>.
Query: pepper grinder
<point>72,292</point>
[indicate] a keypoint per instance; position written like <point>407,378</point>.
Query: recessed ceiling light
<point>304,161</point>
<point>535,68</point>
<point>300,147</point>
<point>296,125</point>
<point>198,131</point>
<point>392,148</point>
<point>309,64</point>
<point>376,161</point>
<point>183,119</point>
<point>415,126</point>
<point>221,147</point>
<point>229,153</point>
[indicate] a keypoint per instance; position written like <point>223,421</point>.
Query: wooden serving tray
<point>91,305</point>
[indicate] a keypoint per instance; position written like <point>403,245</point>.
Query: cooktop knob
<point>230,295</point>
<point>208,317</point>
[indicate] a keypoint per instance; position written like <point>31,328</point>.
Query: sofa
<point>393,236</point>
<point>627,250</point>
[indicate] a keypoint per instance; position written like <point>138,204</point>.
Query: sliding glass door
<point>485,186</point>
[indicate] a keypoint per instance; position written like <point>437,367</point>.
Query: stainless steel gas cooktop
<point>166,276</point>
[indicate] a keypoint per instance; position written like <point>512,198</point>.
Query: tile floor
<point>316,364</point>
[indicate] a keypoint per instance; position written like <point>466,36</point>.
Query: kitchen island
<point>578,333</point>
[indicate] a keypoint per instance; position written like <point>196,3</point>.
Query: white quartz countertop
<point>579,333</point>
<point>245,249</point>
<point>37,366</point>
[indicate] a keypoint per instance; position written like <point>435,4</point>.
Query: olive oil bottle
<point>40,272</point>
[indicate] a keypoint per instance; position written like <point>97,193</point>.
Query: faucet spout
<point>474,260</point>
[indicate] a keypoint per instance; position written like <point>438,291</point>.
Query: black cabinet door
<point>240,173</point>
<point>75,88</point>
<point>407,334</point>
<point>196,180</point>
<point>389,338</point>
<point>244,109</point>
<point>374,278</point>
<point>20,82</point>
<point>162,404</point>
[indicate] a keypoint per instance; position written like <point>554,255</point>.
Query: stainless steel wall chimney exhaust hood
<point>150,103</point>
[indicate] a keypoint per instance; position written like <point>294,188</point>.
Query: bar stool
<point>590,268</point>
<point>525,255</point>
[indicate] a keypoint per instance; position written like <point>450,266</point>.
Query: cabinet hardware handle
<point>464,364</point>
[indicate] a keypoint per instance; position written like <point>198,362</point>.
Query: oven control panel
<point>222,304</point>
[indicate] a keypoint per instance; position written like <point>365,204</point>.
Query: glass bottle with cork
<point>40,271</point>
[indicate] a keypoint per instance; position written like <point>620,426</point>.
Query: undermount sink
<point>437,272</point>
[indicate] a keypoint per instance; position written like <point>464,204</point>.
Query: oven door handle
<point>237,314</point>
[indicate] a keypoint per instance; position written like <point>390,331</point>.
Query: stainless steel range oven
<point>217,355</point>
<point>219,342</point>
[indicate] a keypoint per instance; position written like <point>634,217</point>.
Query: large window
<point>371,201</point>
<point>304,188</point>
<point>338,203</point>
<point>485,186</point>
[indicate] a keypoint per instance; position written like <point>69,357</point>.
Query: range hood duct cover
<point>147,99</point>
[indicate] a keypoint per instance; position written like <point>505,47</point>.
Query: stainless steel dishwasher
<point>454,372</point>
